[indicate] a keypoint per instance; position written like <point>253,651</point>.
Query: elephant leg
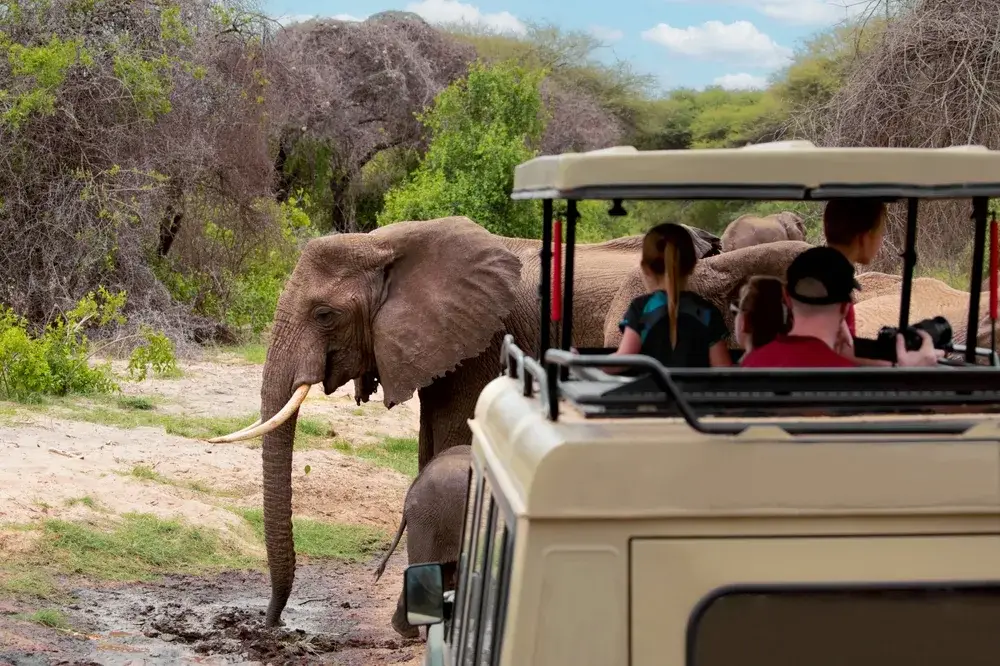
<point>448,403</point>
<point>399,623</point>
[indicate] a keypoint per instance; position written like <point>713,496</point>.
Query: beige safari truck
<point>731,517</point>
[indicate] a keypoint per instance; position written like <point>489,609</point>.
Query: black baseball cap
<point>821,276</point>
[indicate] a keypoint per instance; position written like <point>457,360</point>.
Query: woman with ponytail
<point>677,327</point>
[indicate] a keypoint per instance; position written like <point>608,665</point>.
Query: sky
<point>689,43</point>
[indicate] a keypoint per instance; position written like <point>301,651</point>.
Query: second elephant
<point>433,513</point>
<point>717,278</point>
<point>750,230</point>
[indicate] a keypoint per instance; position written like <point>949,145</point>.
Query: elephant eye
<point>324,315</point>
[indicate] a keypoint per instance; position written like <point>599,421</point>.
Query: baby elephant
<point>434,510</point>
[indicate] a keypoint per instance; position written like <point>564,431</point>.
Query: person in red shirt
<point>855,227</point>
<point>819,283</point>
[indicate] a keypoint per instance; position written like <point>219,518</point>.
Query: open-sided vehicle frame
<point>609,520</point>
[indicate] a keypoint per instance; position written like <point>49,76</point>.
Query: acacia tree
<point>113,112</point>
<point>357,88</point>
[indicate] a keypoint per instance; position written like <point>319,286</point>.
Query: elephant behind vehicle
<point>717,278</point>
<point>419,306</point>
<point>749,230</point>
<point>433,512</point>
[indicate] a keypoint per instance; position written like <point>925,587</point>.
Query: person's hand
<point>845,342</point>
<point>927,355</point>
<point>574,350</point>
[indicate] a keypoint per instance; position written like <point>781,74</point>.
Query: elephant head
<point>793,225</point>
<point>718,278</point>
<point>748,230</point>
<point>405,303</point>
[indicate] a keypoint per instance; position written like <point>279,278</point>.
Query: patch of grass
<point>49,617</point>
<point>358,411</point>
<point>313,538</point>
<point>398,453</point>
<point>135,402</point>
<point>255,353</point>
<point>29,583</point>
<point>86,501</point>
<point>146,473</point>
<point>310,433</point>
<point>138,547</point>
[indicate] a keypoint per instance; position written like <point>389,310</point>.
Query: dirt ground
<point>336,615</point>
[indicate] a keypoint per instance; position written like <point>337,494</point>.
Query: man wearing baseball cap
<point>819,283</point>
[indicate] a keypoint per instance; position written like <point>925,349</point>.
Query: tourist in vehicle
<point>819,283</point>
<point>675,326</point>
<point>762,313</point>
<point>855,227</point>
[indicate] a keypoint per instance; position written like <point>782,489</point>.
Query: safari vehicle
<point>711,517</point>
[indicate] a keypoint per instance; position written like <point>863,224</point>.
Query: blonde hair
<point>668,251</point>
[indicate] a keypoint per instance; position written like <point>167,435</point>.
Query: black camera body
<point>938,328</point>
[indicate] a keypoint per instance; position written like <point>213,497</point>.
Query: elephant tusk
<point>272,423</point>
<point>248,428</point>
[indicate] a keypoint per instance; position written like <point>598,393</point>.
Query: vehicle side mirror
<point>423,594</point>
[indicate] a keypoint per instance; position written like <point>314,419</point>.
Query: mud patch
<point>335,616</point>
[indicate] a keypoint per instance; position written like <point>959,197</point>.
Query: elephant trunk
<point>278,390</point>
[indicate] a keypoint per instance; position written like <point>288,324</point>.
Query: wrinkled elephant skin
<point>413,307</point>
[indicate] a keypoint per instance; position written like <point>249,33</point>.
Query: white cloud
<point>453,11</point>
<point>289,19</point>
<point>606,34</point>
<point>801,12</point>
<point>739,41</point>
<point>741,81</point>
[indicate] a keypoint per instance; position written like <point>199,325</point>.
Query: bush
<point>56,361</point>
<point>481,127</point>
<point>233,270</point>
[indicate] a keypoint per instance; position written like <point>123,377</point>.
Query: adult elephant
<point>750,230</point>
<point>717,278</point>
<point>423,306</point>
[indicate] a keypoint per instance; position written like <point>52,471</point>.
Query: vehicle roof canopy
<point>648,468</point>
<point>779,170</point>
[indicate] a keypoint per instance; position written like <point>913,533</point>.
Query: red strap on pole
<point>993,268</point>
<point>556,270</point>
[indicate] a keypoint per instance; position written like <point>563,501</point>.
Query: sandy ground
<point>335,608</point>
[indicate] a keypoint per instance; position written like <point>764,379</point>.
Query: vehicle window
<point>496,588</point>
<point>482,592</point>
<point>860,627</point>
<point>472,504</point>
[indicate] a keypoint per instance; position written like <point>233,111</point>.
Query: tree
<point>480,128</point>
<point>355,93</point>
<point>112,115</point>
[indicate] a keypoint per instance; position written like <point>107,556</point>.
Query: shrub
<point>56,360</point>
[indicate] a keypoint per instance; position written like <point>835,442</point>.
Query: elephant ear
<point>448,285</point>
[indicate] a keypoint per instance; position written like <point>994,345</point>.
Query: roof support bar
<point>572,215</point>
<point>979,210</point>
<point>909,262</point>
<point>545,284</point>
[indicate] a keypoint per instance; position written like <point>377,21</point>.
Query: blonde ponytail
<point>675,285</point>
<point>668,252</point>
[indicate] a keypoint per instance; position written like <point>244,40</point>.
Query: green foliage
<point>56,360</point>
<point>38,72</point>
<point>240,280</point>
<point>157,353</point>
<point>255,291</point>
<point>481,127</point>
<point>147,81</point>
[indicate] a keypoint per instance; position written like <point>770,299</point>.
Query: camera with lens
<point>938,328</point>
